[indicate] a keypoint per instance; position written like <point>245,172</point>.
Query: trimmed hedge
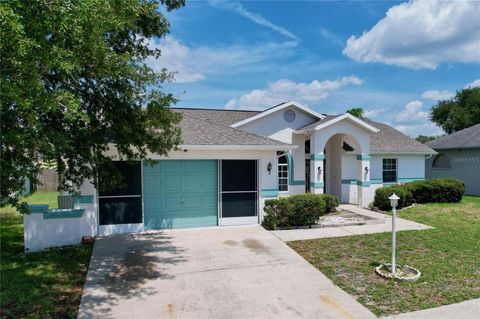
<point>438,190</point>
<point>382,194</point>
<point>297,210</point>
<point>331,202</point>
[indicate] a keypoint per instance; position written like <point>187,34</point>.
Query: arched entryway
<point>340,167</point>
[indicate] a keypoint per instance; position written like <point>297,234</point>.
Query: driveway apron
<point>234,272</point>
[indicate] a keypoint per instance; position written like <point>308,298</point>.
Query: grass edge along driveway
<point>448,257</point>
<point>45,284</point>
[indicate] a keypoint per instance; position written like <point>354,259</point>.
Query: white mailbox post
<point>393,202</point>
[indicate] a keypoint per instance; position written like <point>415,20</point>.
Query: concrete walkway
<point>469,309</point>
<point>234,272</point>
<point>385,226</point>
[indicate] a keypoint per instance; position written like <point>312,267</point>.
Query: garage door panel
<point>192,183</point>
<point>171,202</point>
<point>187,196</point>
<point>170,183</point>
<point>152,183</point>
<point>170,167</point>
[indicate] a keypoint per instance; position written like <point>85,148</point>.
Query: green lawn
<point>38,285</point>
<point>448,257</point>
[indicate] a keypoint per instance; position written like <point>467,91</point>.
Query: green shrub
<point>307,209</point>
<point>382,194</point>
<point>438,190</point>
<point>331,202</point>
<point>295,210</point>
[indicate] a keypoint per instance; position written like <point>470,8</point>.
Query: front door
<point>238,192</point>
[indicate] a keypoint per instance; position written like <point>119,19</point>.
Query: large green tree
<point>458,113</point>
<point>74,84</point>
<point>356,111</point>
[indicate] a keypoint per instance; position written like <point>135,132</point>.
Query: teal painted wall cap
<point>63,213</point>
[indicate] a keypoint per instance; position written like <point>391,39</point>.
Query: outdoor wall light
<point>366,169</point>
<point>319,169</point>
<point>269,168</point>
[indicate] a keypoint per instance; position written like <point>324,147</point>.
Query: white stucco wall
<point>409,167</point>
<point>274,125</point>
<point>41,233</point>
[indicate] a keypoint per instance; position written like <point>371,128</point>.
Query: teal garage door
<point>180,194</point>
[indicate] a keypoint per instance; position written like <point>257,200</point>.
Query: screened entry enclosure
<point>238,192</point>
<point>123,204</point>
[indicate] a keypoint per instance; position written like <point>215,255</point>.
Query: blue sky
<point>394,59</point>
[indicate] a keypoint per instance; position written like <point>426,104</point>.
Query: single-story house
<point>459,157</point>
<point>231,161</point>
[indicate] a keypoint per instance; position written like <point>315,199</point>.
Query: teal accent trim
<point>273,192</point>
<point>63,213</point>
<point>38,208</point>
<point>356,182</point>
<point>363,157</point>
<point>291,165</point>
<point>410,179</point>
<point>399,180</point>
<point>297,182</point>
<point>84,199</point>
<point>363,183</point>
<point>317,157</point>
<point>316,185</point>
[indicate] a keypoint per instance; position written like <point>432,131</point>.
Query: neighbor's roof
<point>466,138</point>
<point>209,127</point>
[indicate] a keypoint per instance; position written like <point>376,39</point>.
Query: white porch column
<point>363,179</point>
<point>316,173</point>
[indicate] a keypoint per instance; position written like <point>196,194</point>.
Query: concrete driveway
<point>234,272</point>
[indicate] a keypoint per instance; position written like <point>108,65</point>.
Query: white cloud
<point>413,120</point>
<point>285,90</point>
<point>412,112</point>
<point>473,84</point>
<point>255,17</point>
<point>421,34</point>
<point>374,112</point>
<point>414,130</point>
<point>193,64</point>
<point>437,95</point>
<point>330,36</point>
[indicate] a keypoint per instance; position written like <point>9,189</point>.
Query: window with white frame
<point>282,172</point>
<point>389,170</point>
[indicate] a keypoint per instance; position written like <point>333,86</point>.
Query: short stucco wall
<point>465,165</point>
<point>44,230</point>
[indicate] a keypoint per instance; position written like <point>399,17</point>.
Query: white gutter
<point>405,153</point>
<point>236,147</point>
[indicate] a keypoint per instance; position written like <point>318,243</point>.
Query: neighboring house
<point>458,157</point>
<point>231,161</point>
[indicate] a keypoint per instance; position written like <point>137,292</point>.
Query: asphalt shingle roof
<point>212,127</point>
<point>224,117</point>
<point>202,131</point>
<point>386,140</point>
<point>389,139</point>
<point>466,138</point>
